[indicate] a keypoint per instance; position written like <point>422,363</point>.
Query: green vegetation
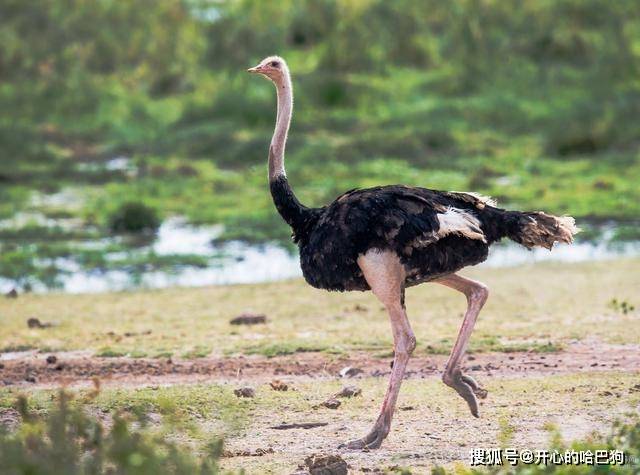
<point>534,103</point>
<point>134,218</point>
<point>69,441</point>
<point>537,308</point>
<point>431,426</point>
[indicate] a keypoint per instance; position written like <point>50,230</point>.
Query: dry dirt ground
<point>580,389</point>
<point>36,370</point>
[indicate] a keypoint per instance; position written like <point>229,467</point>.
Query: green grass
<point>440,97</point>
<point>284,348</point>
<point>197,352</point>
<point>110,353</point>
<point>537,308</point>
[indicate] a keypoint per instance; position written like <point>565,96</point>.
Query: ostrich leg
<point>476,294</point>
<point>385,275</point>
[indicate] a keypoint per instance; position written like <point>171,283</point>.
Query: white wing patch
<point>487,200</point>
<point>457,221</point>
<point>482,199</point>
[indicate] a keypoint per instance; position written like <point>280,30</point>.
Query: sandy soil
<point>424,433</point>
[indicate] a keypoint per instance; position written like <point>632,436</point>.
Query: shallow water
<point>237,262</point>
<point>244,264</point>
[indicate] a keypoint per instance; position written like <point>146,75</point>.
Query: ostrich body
<point>387,238</point>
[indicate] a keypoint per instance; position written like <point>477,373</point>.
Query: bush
<point>68,441</point>
<point>134,218</point>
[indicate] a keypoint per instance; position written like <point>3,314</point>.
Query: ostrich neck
<point>292,211</point>
<point>283,120</point>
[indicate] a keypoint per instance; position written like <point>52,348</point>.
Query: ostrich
<point>387,238</point>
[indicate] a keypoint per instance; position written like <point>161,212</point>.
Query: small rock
<point>407,408</point>
<point>52,359</point>
<point>35,323</point>
<point>299,425</point>
<point>331,403</point>
<point>12,294</point>
<point>471,358</point>
<point>248,319</point>
<point>130,334</point>
<point>326,465</point>
<point>30,379</point>
<point>245,392</point>
<point>348,391</point>
<point>259,452</point>
<point>349,371</point>
<point>278,385</point>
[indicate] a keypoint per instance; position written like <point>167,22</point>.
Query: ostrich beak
<point>255,69</point>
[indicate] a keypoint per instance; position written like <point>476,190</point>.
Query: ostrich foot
<point>372,440</point>
<point>478,390</point>
<point>466,387</point>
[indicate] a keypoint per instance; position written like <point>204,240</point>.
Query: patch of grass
<point>536,308</point>
<point>284,348</point>
<point>36,232</point>
<point>108,352</point>
<point>621,306</point>
<point>50,349</point>
<point>197,352</point>
<point>485,344</point>
<point>531,346</point>
<point>505,436</point>
<point>18,347</point>
<point>627,233</point>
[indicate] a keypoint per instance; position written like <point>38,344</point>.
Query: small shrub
<point>134,218</point>
<point>621,306</point>
<point>68,441</point>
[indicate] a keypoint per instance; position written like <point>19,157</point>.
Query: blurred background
<point>133,144</point>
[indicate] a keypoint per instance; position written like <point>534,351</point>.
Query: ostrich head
<point>273,67</point>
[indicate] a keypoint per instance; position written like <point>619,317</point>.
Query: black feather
<point>397,218</point>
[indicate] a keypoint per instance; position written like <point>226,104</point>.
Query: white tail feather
<point>457,221</point>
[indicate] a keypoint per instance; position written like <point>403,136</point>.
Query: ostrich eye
<point>274,64</point>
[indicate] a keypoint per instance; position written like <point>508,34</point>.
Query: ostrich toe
<point>466,387</point>
<point>478,390</point>
<point>372,440</point>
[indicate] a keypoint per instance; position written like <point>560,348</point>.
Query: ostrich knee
<point>478,295</point>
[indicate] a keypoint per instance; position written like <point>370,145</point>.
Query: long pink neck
<point>283,120</point>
